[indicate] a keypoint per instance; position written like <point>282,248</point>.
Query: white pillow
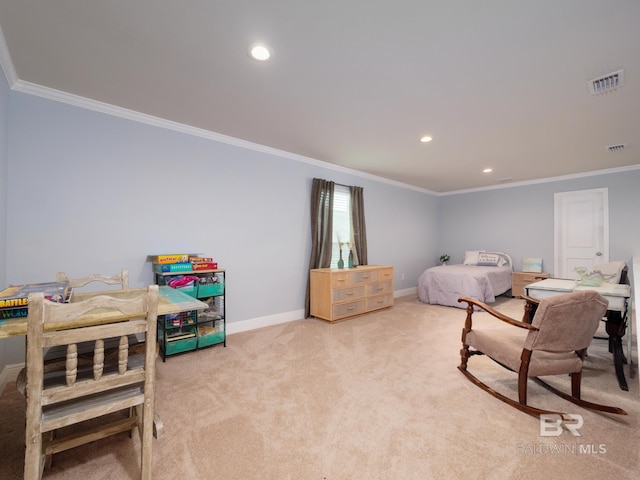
<point>471,257</point>
<point>611,271</point>
<point>488,259</point>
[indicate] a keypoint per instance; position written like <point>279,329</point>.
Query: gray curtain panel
<point>358,226</point>
<point>321,230</point>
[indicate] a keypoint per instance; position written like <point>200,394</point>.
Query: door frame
<point>558,200</point>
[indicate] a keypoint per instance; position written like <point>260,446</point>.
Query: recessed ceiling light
<point>487,170</point>
<point>260,52</point>
<point>426,139</point>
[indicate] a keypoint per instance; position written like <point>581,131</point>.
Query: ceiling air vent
<point>606,83</point>
<point>616,148</point>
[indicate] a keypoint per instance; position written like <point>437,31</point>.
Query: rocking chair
<point>554,343</point>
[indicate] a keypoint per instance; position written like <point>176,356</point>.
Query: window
<point>341,224</point>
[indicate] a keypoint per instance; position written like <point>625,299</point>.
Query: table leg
<point>616,327</point>
<point>632,367</point>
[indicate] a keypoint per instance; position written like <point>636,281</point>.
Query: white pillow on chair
<point>611,271</point>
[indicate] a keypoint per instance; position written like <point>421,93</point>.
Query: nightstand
<point>520,279</point>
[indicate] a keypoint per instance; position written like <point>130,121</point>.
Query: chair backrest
<point>78,393</point>
<point>613,272</point>
<point>567,322</point>
<point>121,278</point>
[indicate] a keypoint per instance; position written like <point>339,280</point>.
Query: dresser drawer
<point>364,276</point>
<point>386,274</point>
<point>521,279</point>
<point>348,309</point>
<point>340,279</point>
<point>526,278</point>
<point>379,302</point>
<point>349,293</point>
<point>378,288</point>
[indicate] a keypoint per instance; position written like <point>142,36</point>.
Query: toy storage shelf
<point>188,331</point>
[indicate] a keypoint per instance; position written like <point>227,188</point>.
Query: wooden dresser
<point>342,293</point>
<point>520,279</point>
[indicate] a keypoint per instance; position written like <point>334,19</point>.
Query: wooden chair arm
<point>530,308</point>
<point>494,313</point>
<point>531,300</point>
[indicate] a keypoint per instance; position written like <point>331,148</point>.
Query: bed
<point>482,276</point>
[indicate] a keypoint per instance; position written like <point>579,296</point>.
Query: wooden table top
<point>564,285</point>
<point>170,301</point>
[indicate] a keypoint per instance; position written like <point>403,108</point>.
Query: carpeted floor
<point>374,397</point>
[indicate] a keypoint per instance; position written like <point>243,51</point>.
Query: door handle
<point>598,254</point>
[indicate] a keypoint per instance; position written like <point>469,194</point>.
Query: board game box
<point>14,300</point>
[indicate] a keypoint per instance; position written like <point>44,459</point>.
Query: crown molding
<point>101,107</point>
<point>6,62</point>
<point>89,104</point>
<point>544,180</point>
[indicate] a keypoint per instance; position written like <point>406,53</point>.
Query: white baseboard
<point>253,323</point>
<point>9,374</point>
<point>260,322</point>
<point>405,292</point>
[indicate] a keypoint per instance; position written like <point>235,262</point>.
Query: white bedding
<point>443,285</point>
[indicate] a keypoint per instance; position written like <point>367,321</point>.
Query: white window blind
<point>341,224</point>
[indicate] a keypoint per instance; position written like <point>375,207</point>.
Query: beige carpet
<point>375,397</point>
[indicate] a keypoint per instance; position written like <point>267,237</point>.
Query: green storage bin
<point>191,290</point>
<point>210,289</point>
<point>185,339</point>
<point>177,346</point>
<point>210,339</point>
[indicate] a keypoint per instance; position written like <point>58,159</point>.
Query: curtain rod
<point>341,184</point>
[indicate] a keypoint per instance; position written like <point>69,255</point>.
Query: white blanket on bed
<point>445,284</point>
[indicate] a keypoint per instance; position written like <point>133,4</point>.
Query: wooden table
<point>617,313</point>
<point>170,300</point>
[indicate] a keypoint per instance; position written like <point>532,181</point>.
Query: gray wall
<point>519,220</point>
<point>90,192</point>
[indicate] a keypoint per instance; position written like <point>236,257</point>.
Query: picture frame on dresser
<point>532,265</point>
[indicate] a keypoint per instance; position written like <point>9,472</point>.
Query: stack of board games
<point>14,300</point>
<point>182,262</point>
<point>203,263</point>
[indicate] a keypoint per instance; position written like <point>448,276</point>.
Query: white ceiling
<point>356,83</point>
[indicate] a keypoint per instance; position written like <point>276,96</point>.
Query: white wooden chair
<point>121,278</point>
<point>77,394</point>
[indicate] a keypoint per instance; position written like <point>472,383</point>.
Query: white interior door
<point>581,230</point>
